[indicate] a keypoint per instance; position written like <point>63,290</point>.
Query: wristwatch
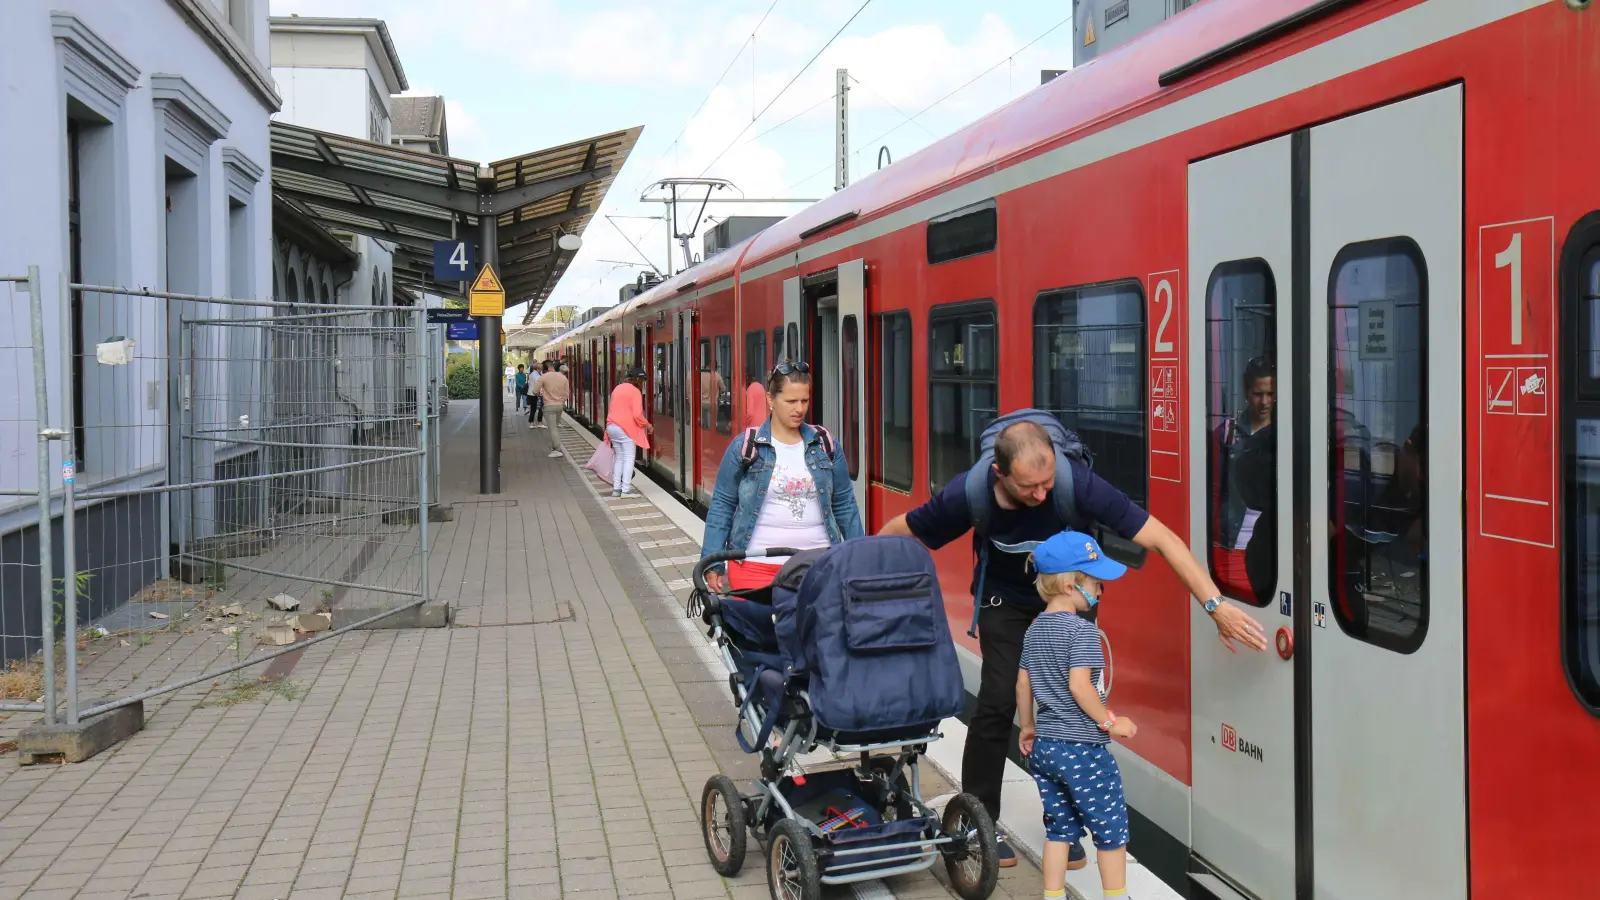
<point>1111,719</point>
<point>1212,604</point>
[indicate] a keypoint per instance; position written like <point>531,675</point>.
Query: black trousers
<point>536,408</point>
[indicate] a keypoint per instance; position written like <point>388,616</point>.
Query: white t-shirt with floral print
<point>791,514</point>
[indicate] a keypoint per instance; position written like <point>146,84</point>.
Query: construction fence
<point>256,471</point>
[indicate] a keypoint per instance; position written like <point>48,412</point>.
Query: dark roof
<point>412,199</point>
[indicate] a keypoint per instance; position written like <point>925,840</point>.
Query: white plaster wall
<point>325,99</point>
<point>155,38</point>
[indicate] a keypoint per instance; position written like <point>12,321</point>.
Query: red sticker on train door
<point>1166,375</point>
<point>1516,358</point>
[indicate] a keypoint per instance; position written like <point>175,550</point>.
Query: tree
<point>562,315</point>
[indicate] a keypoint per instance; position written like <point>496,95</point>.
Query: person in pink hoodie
<point>628,430</point>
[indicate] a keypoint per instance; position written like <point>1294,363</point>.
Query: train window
<point>1378,443</point>
<point>755,357</point>
<point>1580,615</point>
<point>850,381</point>
<point>708,385</point>
<point>966,232</point>
<point>963,393</point>
<point>662,395</point>
<point>1088,369</point>
<point>724,379</point>
<point>893,457</point>
<point>1241,445</point>
<point>792,351</point>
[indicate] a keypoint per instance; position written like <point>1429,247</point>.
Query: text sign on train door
<point>1162,295</point>
<point>1516,349</point>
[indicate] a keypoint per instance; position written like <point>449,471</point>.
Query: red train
<point>1389,207</point>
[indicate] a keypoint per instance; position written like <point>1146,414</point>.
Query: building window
<point>724,378</point>
<point>965,232</point>
<point>850,381</point>
<point>1580,615</point>
<point>1378,463</point>
<point>1241,446</point>
<point>893,461</point>
<point>1088,365</point>
<point>963,394</point>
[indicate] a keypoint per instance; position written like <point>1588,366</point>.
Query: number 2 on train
<point>1163,287</point>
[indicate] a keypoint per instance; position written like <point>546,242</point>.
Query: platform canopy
<point>411,199</point>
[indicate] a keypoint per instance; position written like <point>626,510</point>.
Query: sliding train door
<point>686,392</point>
<point>1242,705</point>
<point>848,374</point>
<point>1326,313</point>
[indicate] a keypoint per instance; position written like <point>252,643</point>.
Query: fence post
<point>69,464</point>
<point>41,400</point>
<point>424,462</point>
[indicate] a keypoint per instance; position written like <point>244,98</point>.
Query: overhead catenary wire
<point>779,95</point>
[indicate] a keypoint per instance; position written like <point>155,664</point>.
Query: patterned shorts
<point>1081,788</point>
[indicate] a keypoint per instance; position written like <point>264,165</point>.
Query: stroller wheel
<point>792,872</point>
<point>975,867</point>
<point>722,824</point>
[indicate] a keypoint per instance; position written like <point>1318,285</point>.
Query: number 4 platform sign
<point>453,260</point>
<point>1516,349</point>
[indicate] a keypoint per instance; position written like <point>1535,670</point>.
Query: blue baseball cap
<point>1074,551</point>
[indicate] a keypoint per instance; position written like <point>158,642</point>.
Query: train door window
<point>963,393</point>
<point>1378,443</point>
<point>1581,612</point>
<point>661,397</point>
<point>850,383</point>
<point>724,378</point>
<point>777,349</point>
<point>968,231</point>
<point>892,461</point>
<point>1241,448</point>
<point>708,385</point>
<point>1088,364</point>
<point>755,357</point>
<point>792,348</point>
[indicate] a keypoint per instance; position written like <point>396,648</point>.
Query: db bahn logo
<point>1231,743</point>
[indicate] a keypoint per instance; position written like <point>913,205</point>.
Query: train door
<point>848,374</point>
<point>1242,705</point>
<point>686,391</point>
<point>641,360</point>
<point>1372,325</point>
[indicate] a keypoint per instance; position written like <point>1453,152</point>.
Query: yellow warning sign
<point>488,295</point>
<point>1088,30</point>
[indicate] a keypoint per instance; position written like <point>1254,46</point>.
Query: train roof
<point>1079,102</point>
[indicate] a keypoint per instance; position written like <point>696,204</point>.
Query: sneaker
<point>556,454</point>
<point>1004,853</point>
<point>532,427</point>
<point>1076,858</point>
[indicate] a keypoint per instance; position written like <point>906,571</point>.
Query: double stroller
<point>847,652</point>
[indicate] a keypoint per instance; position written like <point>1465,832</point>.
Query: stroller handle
<point>717,559</point>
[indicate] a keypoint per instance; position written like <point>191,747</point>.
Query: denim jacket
<point>736,500</point>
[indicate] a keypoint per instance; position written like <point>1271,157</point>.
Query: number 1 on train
<point>1512,256</point>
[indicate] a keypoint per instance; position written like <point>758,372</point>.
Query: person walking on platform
<point>554,390</point>
<point>627,430</point>
<point>535,402</point>
<point>1016,505</point>
<point>522,386</point>
<point>782,484</point>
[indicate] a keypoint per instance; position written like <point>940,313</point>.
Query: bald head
<point>1024,444</point>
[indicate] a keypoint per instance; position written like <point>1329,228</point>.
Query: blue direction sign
<point>454,260</point>
<point>447,316</point>
<point>461,331</point>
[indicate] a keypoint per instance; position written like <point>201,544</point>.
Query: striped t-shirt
<point>1057,643</point>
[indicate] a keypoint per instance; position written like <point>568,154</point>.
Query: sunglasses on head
<point>788,368</point>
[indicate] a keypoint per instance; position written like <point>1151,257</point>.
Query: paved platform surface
<point>553,743</point>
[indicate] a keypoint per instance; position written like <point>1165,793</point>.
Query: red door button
<point>1285,642</point>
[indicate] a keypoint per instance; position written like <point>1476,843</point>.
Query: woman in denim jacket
<point>795,492</point>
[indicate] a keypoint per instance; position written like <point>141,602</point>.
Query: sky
<point>710,81</point>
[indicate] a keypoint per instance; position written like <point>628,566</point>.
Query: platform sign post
<point>1516,349</point>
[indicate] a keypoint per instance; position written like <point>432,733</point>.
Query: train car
<point>1373,225</point>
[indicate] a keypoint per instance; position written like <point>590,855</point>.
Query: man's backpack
<point>747,451</point>
<point>980,497</point>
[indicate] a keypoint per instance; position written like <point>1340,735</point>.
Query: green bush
<point>462,382</point>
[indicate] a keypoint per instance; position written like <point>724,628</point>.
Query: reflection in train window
<point>1241,442</point>
<point>1581,617</point>
<point>963,396</point>
<point>708,384</point>
<point>1378,443</point>
<point>850,382</point>
<point>893,456</point>
<point>1088,369</point>
<point>724,379</point>
<point>755,357</point>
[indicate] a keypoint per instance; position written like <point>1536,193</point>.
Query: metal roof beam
<point>534,191</point>
<point>405,188</point>
<point>421,245</point>
<point>516,230</point>
<point>411,220</point>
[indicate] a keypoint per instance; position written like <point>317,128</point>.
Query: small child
<point>1067,749</point>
